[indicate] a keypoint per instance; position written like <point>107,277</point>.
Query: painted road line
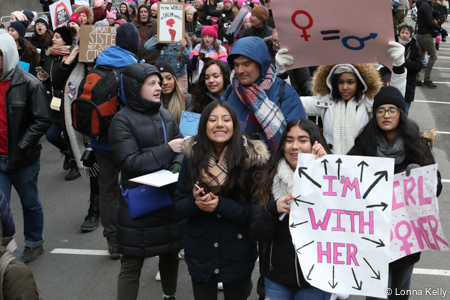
<point>442,132</point>
<point>441,82</point>
<point>430,101</point>
<point>80,251</point>
<point>445,180</point>
<point>431,272</point>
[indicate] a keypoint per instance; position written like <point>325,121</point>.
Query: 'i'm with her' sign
<point>340,222</point>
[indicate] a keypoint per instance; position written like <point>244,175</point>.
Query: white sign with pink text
<point>340,222</point>
<point>415,214</point>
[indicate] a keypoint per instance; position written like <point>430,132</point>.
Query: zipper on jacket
<point>296,268</point>
<point>270,256</point>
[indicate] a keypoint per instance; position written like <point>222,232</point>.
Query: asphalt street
<point>88,273</point>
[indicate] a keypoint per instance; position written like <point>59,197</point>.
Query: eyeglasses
<point>393,112</point>
<point>40,24</point>
<point>276,42</point>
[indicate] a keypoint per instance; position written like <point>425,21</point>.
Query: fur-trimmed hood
<point>367,73</point>
<point>89,12</point>
<point>256,150</point>
<point>283,182</point>
<point>430,136</point>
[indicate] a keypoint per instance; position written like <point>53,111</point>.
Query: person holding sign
<point>272,193</point>
<point>213,193</point>
<point>390,133</point>
<point>145,138</point>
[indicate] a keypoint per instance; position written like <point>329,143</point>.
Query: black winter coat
<point>218,243</point>
<point>425,20</point>
<point>413,63</point>
<point>137,141</point>
<point>27,117</point>
<point>262,32</point>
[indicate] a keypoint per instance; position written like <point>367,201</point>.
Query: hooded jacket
<point>27,108</point>
<point>256,49</point>
<point>146,31</point>
<point>322,105</point>
<point>137,138</point>
<point>425,20</point>
<point>127,13</point>
<point>90,17</point>
<point>219,243</point>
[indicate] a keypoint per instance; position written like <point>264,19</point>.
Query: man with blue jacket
<point>263,102</point>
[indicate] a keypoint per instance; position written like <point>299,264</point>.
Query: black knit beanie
<point>65,35</point>
<point>165,66</point>
<point>389,95</point>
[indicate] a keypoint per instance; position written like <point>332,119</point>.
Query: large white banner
<point>415,214</point>
<point>340,222</point>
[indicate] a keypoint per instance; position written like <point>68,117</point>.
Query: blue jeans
<point>24,180</point>
<point>408,106</point>
<point>276,291</point>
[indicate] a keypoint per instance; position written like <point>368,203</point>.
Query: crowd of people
<point>236,174</point>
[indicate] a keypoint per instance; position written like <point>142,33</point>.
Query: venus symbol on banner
<point>340,222</point>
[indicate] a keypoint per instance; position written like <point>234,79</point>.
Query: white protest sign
<point>415,214</point>
<point>340,222</point>
<point>334,32</point>
<point>170,22</point>
<point>82,2</point>
<point>60,13</point>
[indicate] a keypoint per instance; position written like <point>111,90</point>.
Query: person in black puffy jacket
<point>145,138</point>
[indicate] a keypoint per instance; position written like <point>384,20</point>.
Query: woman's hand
<point>318,150</point>
<point>72,55</point>
<point>42,76</point>
<point>282,204</point>
<point>208,206</point>
<point>199,194</point>
<point>176,145</point>
<point>183,44</point>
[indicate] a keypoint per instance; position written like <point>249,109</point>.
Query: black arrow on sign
<point>382,174</point>
<point>380,244</point>
<point>298,250</point>
<point>362,164</point>
<point>382,204</point>
<point>324,162</point>
<point>359,286</point>
<point>334,284</point>
<point>377,275</point>
<point>307,277</point>
<point>339,162</point>
<point>300,172</point>
<point>295,225</point>
<point>297,199</point>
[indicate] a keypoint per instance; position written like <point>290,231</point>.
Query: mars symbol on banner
<point>340,222</point>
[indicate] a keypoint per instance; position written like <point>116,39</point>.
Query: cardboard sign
<point>189,123</point>
<point>60,13</point>
<point>334,32</point>
<point>95,39</point>
<point>340,224</point>
<point>170,22</point>
<point>415,214</point>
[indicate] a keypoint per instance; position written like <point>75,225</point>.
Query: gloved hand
<point>175,168</point>
<point>444,33</point>
<point>206,59</point>
<point>410,167</point>
<point>150,45</point>
<point>282,60</point>
<point>194,60</point>
<point>397,53</point>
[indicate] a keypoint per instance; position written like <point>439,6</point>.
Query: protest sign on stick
<point>340,222</point>
<point>347,31</point>
<point>170,22</point>
<point>415,214</point>
<point>95,39</point>
<point>60,13</point>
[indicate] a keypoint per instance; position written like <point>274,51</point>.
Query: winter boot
<point>66,164</point>
<point>437,46</point>
<point>92,220</point>
<point>73,173</point>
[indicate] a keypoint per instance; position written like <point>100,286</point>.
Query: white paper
<point>158,179</point>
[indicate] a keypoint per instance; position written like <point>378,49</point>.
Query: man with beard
<point>147,29</point>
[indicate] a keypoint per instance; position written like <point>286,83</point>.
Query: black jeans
<point>233,290</point>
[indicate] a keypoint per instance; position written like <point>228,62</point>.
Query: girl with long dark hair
<point>27,52</point>
<point>212,82</point>
<point>391,134</point>
<point>213,193</point>
<point>278,259</point>
<point>42,37</point>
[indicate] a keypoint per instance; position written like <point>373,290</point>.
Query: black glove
<point>220,23</point>
<point>194,59</point>
<point>444,32</point>
<point>410,167</point>
<point>206,59</point>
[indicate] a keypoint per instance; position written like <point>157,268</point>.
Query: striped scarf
<point>217,173</point>
<point>262,111</point>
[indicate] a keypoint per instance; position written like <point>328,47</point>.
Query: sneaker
<point>73,173</point>
<point>114,252</point>
<point>430,84</point>
<point>220,286</point>
<point>158,276</point>
<point>419,83</point>
<point>33,253</point>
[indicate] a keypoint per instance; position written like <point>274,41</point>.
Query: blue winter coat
<point>256,49</point>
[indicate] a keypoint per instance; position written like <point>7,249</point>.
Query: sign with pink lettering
<point>340,222</point>
<point>415,214</point>
<point>334,32</point>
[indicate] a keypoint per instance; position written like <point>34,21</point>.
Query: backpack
<point>414,13</point>
<point>98,101</point>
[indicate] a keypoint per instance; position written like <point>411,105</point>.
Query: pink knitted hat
<point>111,15</point>
<point>19,15</point>
<point>210,30</point>
<point>98,3</point>
<point>241,2</point>
<point>154,7</point>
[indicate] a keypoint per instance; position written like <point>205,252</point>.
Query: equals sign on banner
<point>329,38</point>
